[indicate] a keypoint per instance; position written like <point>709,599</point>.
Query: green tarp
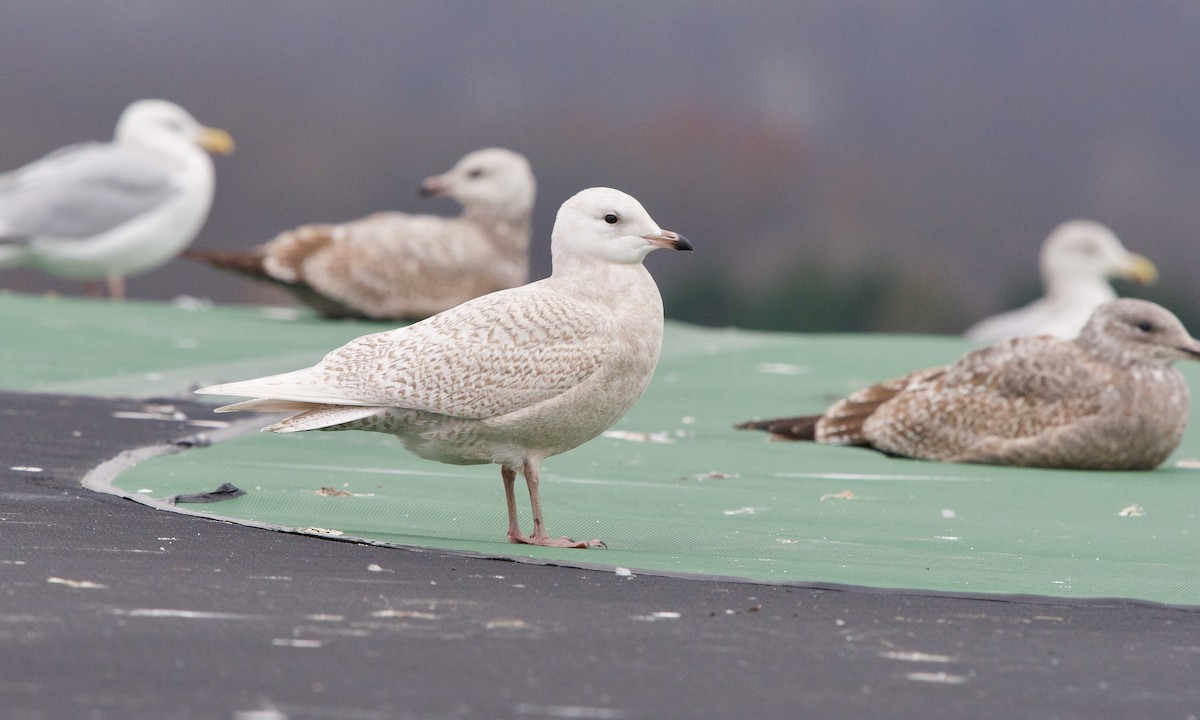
<point>673,488</point>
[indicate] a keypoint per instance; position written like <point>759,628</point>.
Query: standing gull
<point>1107,400</point>
<point>1077,260</point>
<point>103,211</point>
<point>509,378</point>
<point>396,266</point>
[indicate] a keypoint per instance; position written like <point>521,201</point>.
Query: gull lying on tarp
<point>1108,400</point>
<point>105,211</point>
<point>397,266</point>
<point>509,378</point>
<point>1077,260</point>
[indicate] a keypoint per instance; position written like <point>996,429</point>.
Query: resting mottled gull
<point>1077,260</point>
<point>105,211</point>
<point>510,378</point>
<point>397,266</point>
<point>1108,400</point>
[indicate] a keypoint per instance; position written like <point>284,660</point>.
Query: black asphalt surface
<point>110,609</point>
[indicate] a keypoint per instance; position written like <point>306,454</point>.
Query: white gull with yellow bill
<point>1077,260</point>
<point>105,211</point>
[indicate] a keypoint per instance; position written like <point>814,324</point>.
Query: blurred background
<point>883,165</point>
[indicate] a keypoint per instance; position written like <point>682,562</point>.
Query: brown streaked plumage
<point>397,266</point>
<point>1108,400</point>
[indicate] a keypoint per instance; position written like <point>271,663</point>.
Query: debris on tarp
<point>224,491</point>
<point>843,495</point>
<point>77,584</point>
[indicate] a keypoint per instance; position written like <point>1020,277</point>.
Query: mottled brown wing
<point>796,428</point>
<point>290,259</point>
<point>394,265</point>
<point>1041,368</point>
<point>1018,389</point>
<point>239,261</point>
<point>842,424</point>
<point>281,263</point>
<point>288,252</point>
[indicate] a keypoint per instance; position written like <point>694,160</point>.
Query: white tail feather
<point>297,386</point>
<point>268,405</point>
<point>322,417</point>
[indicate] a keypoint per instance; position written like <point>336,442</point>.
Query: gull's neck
<point>1079,290</point>
<point>192,164</point>
<point>1109,350</point>
<point>508,231</point>
<point>605,281</point>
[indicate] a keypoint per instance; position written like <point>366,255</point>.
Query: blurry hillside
<point>841,165</point>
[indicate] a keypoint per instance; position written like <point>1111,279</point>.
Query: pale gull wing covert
<point>108,210</point>
<point>492,356</point>
<point>512,377</point>
<point>1110,399</point>
<point>394,265</point>
<point>80,191</point>
<point>1077,261</point>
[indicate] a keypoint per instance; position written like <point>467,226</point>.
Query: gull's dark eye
<point>1145,326</point>
<point>475,174</point>
<point>611,219</point>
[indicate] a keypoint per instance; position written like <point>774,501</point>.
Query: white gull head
<point>493,180</point>
<point>1083,251</point>
<point>606,225</point>
<point>163,124</point>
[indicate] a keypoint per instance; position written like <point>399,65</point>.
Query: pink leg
<point>509,475</point>
<point>116,287</point>
<point>539,530</point>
